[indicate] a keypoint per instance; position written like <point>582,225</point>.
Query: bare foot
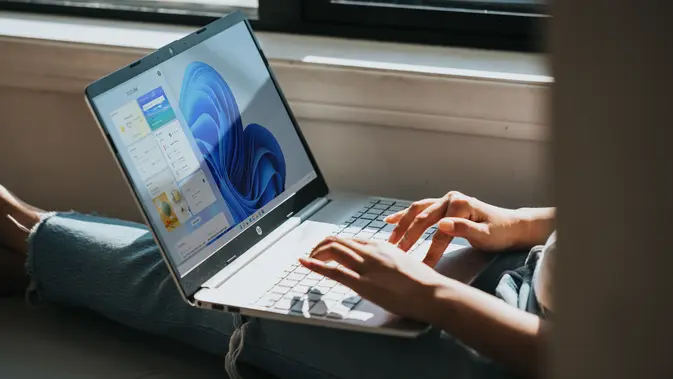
<point>16,220</point>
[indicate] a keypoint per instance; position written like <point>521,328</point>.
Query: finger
<point>428,217</point>
<point>325,241</point>
<point>395,217</point>
<point>341,240</point>
<point>409,216</point>
<point>338,252</point>
<point>440,241</point>
<point>458,209</point>
<point>340,274</point>
<point>461,227</point>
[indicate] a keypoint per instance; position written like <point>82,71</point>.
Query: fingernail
<point>304,261</point>
<point>446,225</point>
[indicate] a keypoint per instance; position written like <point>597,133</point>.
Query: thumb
<point>464,228</point>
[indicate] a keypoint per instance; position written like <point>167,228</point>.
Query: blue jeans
<point>115,269</point>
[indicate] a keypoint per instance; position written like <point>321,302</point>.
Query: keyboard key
<point>300,307</point>
<point>294,294</point>
<point>396,208</point>
<point>322,289</point>
<point>352,230</point>
<point>365,235</point>
<point>288,283</point>
<point>340,289</point>
<point>301,270</point>
<point>386,202</point>
<point>388,228</point>
<point>301,288</point>
<point>309,282</point>
<point>329,283</point>
<point>359,223</point>
<point>331,295</point>
<point>403,204</point>
<point>352,300</point>
<point>315,275</point>
<point>315,294</point>
<point>338,311</point>
<point>319,309</point>
<point>285,304</point>
<point>357,215</point>
<point>368,216</point>
<point>266,302</point>
<point>381,236</point>
<point>339,228</point>
<point>281,290</point>
<point>380,207</point>
<point>296,277</point>
<point>375,212</point>
<point>376,224</point>
<point>330,303</point>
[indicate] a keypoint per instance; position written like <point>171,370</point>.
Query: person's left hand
<point>380,273</point>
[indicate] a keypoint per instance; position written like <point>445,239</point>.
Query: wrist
<point>442,295</point>
<point>534,225</point>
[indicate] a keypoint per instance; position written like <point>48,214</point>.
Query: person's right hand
<point>485,226</point>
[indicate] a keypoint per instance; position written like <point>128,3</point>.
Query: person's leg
<point>114,268</point>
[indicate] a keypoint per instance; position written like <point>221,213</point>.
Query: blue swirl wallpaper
<point>247,163</point>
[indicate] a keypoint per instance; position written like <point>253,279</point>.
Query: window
<point>492,24</point>
<point>189,11</point>
<point>498,24</point>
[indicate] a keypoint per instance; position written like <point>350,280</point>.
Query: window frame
<point>461,27</point>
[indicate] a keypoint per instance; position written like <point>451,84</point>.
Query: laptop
<point>228,185</point>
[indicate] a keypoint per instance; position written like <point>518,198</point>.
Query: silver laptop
<point>228,185</point>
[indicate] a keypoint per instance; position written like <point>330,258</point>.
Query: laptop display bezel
<point>192,281</point>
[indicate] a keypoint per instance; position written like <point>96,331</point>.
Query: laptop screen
<point>207,143</point>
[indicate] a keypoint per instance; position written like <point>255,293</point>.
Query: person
<point>114,268</point>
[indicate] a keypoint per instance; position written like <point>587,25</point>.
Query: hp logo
<point>259,230</point>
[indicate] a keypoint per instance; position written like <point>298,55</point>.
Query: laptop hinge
<point>312,208</point>
<point>285,228</point>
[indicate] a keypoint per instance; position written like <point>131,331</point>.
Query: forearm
<point>536,224</point>
<point>505,334</point>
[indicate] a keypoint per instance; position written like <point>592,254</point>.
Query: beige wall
<point>481,137</point>
<point>53,155</point>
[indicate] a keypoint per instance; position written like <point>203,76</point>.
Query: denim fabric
<point>115,269</point>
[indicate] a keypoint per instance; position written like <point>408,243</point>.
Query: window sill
<point>489,93</point>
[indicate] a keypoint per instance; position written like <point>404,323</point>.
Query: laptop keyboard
<point>300,291</point>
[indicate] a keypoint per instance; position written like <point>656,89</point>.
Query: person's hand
<point>379,272</point>
<point>485,226</point>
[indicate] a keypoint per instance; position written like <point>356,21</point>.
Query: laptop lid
<point>209,146</point>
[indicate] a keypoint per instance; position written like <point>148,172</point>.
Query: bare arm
<point>507,335</point>
<point>382,273</point>
<point>385,275</point>
<point>537,224</point>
